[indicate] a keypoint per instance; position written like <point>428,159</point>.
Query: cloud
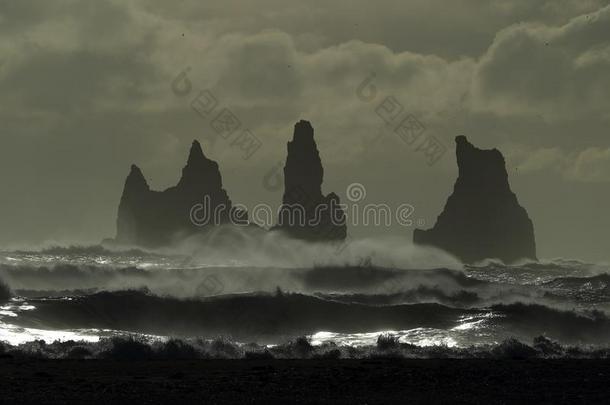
<point>590,165</point>
<point>74,62</point>
<point>555,72</point>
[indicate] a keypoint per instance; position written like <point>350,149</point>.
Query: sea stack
<point>482,219</point>
<point>158,218</point>
<point>306,213</point>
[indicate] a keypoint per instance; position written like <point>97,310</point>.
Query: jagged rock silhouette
<point>157,218</point>
<point>306,213</point>
<point>482,218</point>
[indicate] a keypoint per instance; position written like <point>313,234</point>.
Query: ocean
<point>91,295</point>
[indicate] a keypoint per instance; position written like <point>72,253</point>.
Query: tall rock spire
<point>135,192</point>
<point>306,213</point>
<point>200,173</point>
<point>158,218</point>
<point>482,218</point>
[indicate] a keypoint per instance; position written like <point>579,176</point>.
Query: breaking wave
<point>264,317</point>
<point>347,298</point>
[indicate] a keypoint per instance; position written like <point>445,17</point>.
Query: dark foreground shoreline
<point>367,381</point>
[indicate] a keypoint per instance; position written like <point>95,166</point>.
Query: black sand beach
<point>373,381</point>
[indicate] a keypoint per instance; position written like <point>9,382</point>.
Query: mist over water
<point>270,289</point>
<point>241,260</point>
<point>227,245</point>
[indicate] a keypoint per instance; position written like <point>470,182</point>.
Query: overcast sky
<point>86,90</point>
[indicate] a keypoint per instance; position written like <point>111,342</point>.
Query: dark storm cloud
<point>554,71</point>
<point>76,80</point>
<point>448,29</point>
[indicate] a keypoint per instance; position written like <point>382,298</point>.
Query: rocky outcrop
<point>482,218</point>
<point>152,219</point>
<point>306,213</point>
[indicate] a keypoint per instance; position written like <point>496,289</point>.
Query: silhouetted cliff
<point>482,218</point>
<point>306,213</point>
<point>152,218</point>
